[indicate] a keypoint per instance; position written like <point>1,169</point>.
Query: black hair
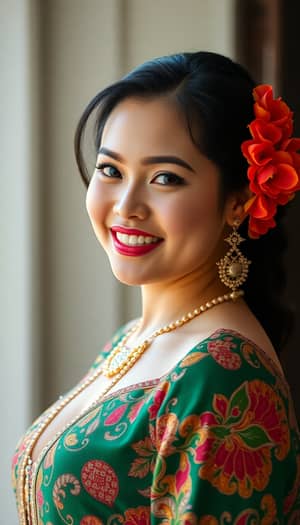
<point>215,95</point>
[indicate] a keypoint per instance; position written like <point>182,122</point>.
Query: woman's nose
<point>131,204</point>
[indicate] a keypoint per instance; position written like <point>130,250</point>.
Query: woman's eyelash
<point>101,167</point>
<point>166,178</point>
<point>170,179</point>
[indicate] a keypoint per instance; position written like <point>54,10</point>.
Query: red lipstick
<point>131,250</point>
<point>131,231</point>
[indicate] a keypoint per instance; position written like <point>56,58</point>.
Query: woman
<point>185,416</point>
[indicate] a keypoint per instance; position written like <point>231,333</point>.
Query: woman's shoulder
<point>224,361</point>
<point>230,377</point>
<point>232,349</point>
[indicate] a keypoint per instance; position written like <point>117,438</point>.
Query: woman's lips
<point>131,231</point>
<point>133,242</point>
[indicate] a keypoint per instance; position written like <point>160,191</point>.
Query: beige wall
<point>59,301</point>
<point>156,27</point>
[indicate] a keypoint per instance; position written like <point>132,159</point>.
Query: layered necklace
<point>117,364</point>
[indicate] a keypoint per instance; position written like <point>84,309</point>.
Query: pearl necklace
<point>123,357</point>
<point>116,365</point>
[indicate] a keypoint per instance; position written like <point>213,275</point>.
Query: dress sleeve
<point>227,440</point>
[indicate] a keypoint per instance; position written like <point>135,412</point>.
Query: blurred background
<point>59,300</point>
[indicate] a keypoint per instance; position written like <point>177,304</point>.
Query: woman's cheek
<point>95,199</point>
<point>97,208</point>
<point>186,215</point>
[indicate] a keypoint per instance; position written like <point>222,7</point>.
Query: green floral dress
<point>213,442</point>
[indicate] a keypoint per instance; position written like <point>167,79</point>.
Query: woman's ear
<point>234,208</point>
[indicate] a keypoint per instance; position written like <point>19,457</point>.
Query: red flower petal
<point>291,144</point>
<point>270,109</point>
<point>280,112</point>
<point>287,128</point>
<point>266,173</point>
<point>261,207</point>
<point>261,112</point>
<point>284,198</point>
<point>259,227</point>
<point>263,92</point>
<point>258,154</point>
<point>286,178</point>
<point>265,131</point>
<point>284,157</point>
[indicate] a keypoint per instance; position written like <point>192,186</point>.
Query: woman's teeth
<point>135,240</point>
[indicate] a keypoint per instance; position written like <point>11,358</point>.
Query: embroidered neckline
<point>218,331</point>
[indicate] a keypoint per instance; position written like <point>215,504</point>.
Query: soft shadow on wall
<point>267,43</point>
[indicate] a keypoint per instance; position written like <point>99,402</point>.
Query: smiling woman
<point>172,200</point>
<point>185,417</point>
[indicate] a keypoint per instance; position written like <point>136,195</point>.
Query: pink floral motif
<point>40,498</point>
<point>115,416</point>
<point>100,481</point>
<point>174,507</point>
<point>15,458</point>
<point>235,453</point>
<point>220,350</point>
<point>158,399</point>
<point>182,476</point>
<point>135,411</point>
<point>39,493</point>
<point>20,449</point>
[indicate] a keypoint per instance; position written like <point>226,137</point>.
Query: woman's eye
<point>108,171</point>
<point>168,179</point>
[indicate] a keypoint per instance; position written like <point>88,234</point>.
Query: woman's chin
<point>130,278</point>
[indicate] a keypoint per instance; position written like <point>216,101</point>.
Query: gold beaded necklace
<point>123,357</point>
<point>116,365</point>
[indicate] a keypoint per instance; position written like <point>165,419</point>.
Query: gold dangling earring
<point>233,267</point>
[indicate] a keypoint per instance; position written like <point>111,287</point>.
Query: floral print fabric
<point>214,442</point>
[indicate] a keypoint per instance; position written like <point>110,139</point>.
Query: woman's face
<point>153,198</point>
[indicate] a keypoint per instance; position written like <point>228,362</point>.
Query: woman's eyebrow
<point>168,159</point>
<point>156,159</point>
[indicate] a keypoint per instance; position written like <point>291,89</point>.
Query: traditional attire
<point>215,441</point>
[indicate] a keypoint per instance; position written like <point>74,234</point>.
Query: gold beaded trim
<point>25,496</point>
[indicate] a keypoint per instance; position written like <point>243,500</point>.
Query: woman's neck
<point>165,303</point>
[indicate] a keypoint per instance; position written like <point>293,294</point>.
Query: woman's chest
<point>85,395</point>
<point>92,458</point>
<point>61,418</point>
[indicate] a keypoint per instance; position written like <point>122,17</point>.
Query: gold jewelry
<point>116,366</point>
<point>123,358</point>
<point>233,267</point>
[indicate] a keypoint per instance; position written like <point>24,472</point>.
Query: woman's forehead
<point>152,125</point>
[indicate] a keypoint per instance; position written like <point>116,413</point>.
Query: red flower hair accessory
<point>274,164</point>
